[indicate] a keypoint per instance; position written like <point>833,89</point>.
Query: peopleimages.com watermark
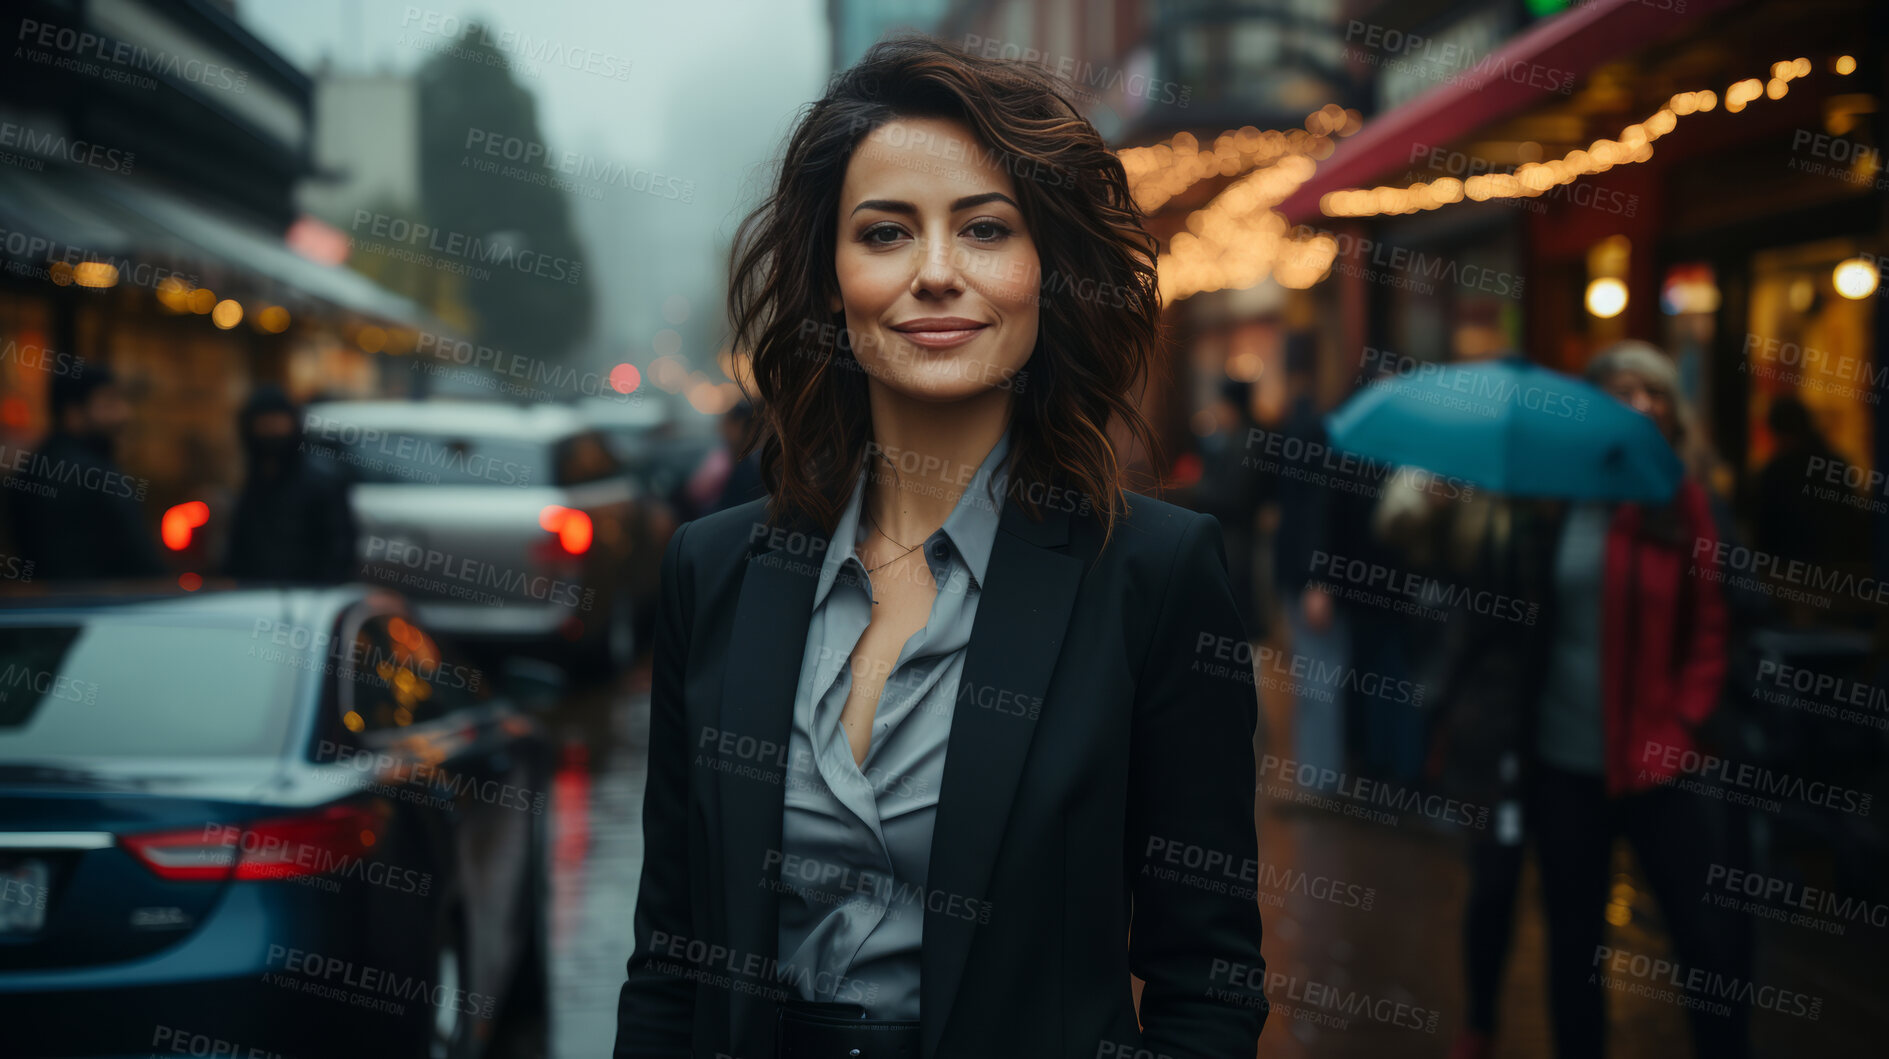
<point>1405,592</point>
<point>438,32</point>
<point>1810,368</point>
<point>447,575</point>
<point>1793,903</point>
<point>1383,262</point>
<point>1234,658</point>
<point>952,151</point>
<point>19,677</point>
<point>1851,161</point>
<point>313,864</point>
<point>35,357</point>
<point>171,1040</point>
<point>489,151</point>
<point>15,568</point>
<point>409,455</point>
<point>1446,61</point>
<point>302,647</point>
<point>1086,80</point>
<point>1218,872</point>
<point>1657,978</point>
<point>1824,694</point>
<point>29,471</point>
<point>438,354</point>
<point>1378,801</point>
<point>830,882</point>
<point>1322,1003</point>
<point>1784,578</point>
<point>39,145</point>
<point>1485,393</point>
<point>366,986</point>
<point>1743,783</point>
<point>436,785</point>
<point>731,969</point>
<point>120,62</point>
<point>1846,483</point>
<point>1317,463</point>
<point>37,257</point>
<point>449,251</point>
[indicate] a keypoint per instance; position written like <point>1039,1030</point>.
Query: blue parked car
<point>262,822</point>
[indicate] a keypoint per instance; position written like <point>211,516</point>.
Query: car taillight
<point>180,521</point>
<point>571,525</point>
<point>311,843</point>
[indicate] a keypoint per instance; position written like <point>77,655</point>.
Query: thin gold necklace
<point>888,536</point>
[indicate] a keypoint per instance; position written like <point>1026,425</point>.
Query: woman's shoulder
<point>1158,536</point>
<point>725,538</point>
<point>1161,522</point>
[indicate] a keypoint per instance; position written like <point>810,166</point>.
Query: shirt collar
<point>971,527</point>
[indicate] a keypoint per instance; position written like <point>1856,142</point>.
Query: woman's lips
<point>941,334</point>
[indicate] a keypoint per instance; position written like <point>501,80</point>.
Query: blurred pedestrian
<point>1320,639</point>
<point>1229,490</point>
<point>293,520</point>
<point>744,473</point>
<point>1791,521</point>
<point>74,513</point>
<point>1626,665</point>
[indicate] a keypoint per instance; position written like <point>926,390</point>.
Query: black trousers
<point>1676,837</point>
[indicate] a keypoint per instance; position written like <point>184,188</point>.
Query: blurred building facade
<point>1706,177</point>
<point>152,153</point>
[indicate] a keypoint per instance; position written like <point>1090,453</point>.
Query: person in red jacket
<point>1627,664</point>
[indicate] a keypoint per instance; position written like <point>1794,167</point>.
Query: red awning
<point>1574,42</point>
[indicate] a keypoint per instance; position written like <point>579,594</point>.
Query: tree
<point>533,295</point>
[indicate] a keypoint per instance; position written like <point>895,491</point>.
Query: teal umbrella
<point>1512,427</point>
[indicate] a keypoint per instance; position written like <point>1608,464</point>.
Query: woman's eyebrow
<point>965,203</point>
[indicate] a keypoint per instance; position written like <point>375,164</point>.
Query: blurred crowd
<point>1574,714</point>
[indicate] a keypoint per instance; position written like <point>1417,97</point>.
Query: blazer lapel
<point>1022,615</point>
<point>769,639</point>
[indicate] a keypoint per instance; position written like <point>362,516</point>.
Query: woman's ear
<point>834,304</point>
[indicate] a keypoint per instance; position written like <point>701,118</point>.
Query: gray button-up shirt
<point>857,838</point>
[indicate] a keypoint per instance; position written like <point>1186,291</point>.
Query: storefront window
<point>1809,342</point>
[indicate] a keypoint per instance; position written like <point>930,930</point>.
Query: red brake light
<point>571,525</point>
<point>311,843</point>
<point>180,521</point>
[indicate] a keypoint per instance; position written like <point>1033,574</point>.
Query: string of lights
<point>1239,238</point>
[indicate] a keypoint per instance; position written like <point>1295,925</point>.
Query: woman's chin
<point>942,382</point>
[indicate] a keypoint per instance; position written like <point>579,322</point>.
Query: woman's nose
<point>937,269</point>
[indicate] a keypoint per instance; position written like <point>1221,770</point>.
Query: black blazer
<point>1095,817</point>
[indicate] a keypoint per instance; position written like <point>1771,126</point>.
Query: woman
<point>1615,683</point>
<point>948,735</point>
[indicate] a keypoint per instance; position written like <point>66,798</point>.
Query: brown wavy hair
<point>1099,307</point>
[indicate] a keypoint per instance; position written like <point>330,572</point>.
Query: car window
<point>400,675</point>
<point>586,458</point>
<point>125,687</point>
<point>439,459</point>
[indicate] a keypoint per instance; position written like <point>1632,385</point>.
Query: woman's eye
<point>987,231</point>
<point>881,235</point>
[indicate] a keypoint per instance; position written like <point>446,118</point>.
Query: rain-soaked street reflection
<point>596,858</point>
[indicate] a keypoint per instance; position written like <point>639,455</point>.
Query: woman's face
<point>937,274</point>
<point>1633,390</point>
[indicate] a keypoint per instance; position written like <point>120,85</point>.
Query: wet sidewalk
<point>1364,956</point>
